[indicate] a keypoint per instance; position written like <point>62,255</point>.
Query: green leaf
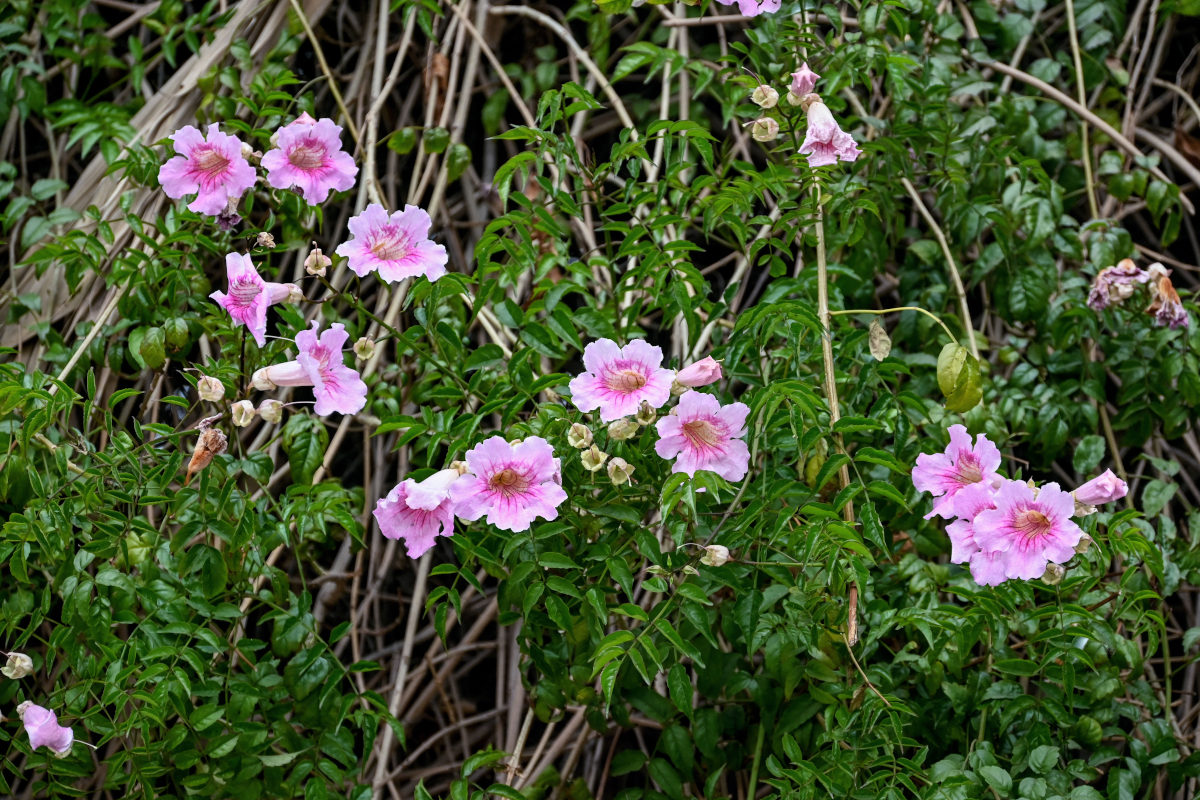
<point>1088,454</point>
<point>1043,759</point>
<point>997,778</point>
<point>304,441</point>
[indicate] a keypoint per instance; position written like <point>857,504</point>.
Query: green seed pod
<point>152,348</point>
<point>176,330</point>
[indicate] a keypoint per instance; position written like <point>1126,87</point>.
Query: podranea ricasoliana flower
<point>396,246</point>
<point>319,364</point>
<point>700,433</point>
<point>1116,284</point>
<point>417,513</point>
<point>212,168</point>
<point>1030,527</point>
<point>804,80</point>
<point>1165,304</point>
<point>512,484</point>
<point>42,726</point>
<point>752,8</point>
<point>824,142</point>
<point>944,475</point>
<point>249,295</point>
<point>618,379</point>
<point>309,157</point>
<point>1104,488</point>
<point>701,373</point>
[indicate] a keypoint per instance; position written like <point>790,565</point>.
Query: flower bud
<point>264,239</point>
<point>705,371</point>
<point>1054,574</point>
<point>210,389</point>
<point>579,436</point>
<point>295,294</point>
<point>619,471</point>
<point>715,555</point>
<point>247,151</point>
<point>803,81</point>
<point>364,348</point>
<point>593,458</point>
<point>623,429</point>
<point>764,129</point>
<point>18,666</point>
<point>646,414</point>
<point>1102,489</point>
<point>764,96</point>
<point>317,262</point>
<point>794,99</point>
<point>242,412</point>
<point>270,411</point>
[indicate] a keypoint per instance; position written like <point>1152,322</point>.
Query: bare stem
<point>929,314</point>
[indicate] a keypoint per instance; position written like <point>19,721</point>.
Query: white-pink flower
<point>1103,488</point>
<point>212,168</point>
<point>968,502</point>
<point>752,8</point>
<point>249,295</point>
<point>42,726</point>
<point>1031,528</point>
<point>700,433</point>
<point>945,474</point>
<point>513,484</point>
<point>703,372</point>
<point>321,365</point>
<point>803,81</point>
<point>618,379</point>
<point>824,142</point>
<point>396,246</point>
<point>418,512</point>
<point>309,156</point>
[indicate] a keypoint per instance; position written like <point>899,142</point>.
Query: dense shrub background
<point>253,635</point>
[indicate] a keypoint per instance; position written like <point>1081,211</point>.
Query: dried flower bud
<point>364,348</point>
<point>264,239</point>
<point>807,100</point>
<point>1054,574</point>
<point>1084,544</point>
<point>247,151</point>
<point>295,294</point>
<point>460,467</point>
<point>646,414</point>
<point>579,436</point>
<point>18,666</point>
<point>623,429</point>
<point>619,471</point>
<point>210,389</point>
<point>593,458</point>
<point>793,98</point>
<point>242,412</point>
<point>211,444</point>
<point>270,411</point>
<point>317,262</point>
<point>715,555</point>
<point>764,129</point>
<point>764,96</point>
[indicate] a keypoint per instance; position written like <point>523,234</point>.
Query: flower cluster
<point>752,8</point>
<point>1114,285</point>
<point>825,143</point>
<point>1006,529</point>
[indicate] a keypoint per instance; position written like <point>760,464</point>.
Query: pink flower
<point>1115,284</point>
<point>214,170</point>
<point>397,247</point>
<point>752,8</point>
<point>320,364</point>
<point>824,142</point>
<point>968,502</point>
<point>309,156</point>
<point>705,371</point>
<point>987,568</point>
<point>1103,488</point>
<point>803,81</point>
<point>945,474</point>
<point>42,726</point>
<point>418,512</point>
<point>1030,529</point>
<point>700,433</point>
<point>249,295</point>
<point>618,379</point>
<point>513,484</point>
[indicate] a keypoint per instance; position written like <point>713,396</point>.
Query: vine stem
<point>1083,128</point>
<point>929,314</point>
<point>955,278</point>
<point>831,397</point>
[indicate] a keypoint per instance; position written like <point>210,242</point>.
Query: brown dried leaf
<point>1188,145</point>
<point>880,342</point>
